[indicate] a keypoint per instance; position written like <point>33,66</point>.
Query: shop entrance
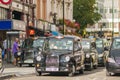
<point>11,35</point>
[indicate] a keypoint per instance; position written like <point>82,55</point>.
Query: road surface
<point>98,74</point>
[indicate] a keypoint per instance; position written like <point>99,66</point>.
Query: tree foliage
<point>85,12</point>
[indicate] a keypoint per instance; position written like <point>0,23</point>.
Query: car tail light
<point>111,60</point>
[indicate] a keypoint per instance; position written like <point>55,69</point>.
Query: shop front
<point>12,29</point>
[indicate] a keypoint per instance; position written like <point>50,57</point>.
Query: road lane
<point>98,74</point>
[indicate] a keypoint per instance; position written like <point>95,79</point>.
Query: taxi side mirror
<point>80,48</point>
<point>106,48</point>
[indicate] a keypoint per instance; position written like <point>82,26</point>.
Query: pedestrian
<point>5,49</point>
<point>15,49</point>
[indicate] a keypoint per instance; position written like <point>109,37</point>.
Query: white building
<point>109,18</point>
<point>100,5</point>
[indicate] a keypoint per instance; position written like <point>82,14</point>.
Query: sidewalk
<point>12,71</point>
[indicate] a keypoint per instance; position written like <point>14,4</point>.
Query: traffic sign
<point>6,2</point>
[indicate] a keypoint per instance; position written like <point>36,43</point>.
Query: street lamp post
<point>63,20</point>
<point>112,18</point>
<point>54,18</point>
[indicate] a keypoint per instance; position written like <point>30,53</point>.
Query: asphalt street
<point>98,74</point>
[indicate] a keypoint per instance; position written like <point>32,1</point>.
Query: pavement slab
<point>13,71</point>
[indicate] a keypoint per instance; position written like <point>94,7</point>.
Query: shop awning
<point>5,24</point>
<point>55,33</point>
<point>12,25</point>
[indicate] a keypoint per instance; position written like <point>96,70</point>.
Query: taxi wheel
<point>38,73</point>
<point>81,71</point>
<point>109,73</point>
<point>104,64</point>
<point>19,65</point>
<point>91,66</point>
<point>72,71</point>
<point>95,66</point>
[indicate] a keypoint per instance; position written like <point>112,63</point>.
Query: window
<point>3,13</point>
<point>110,11</point>
<point>27,1</point>
<point>105,10</point>
<point>76,47</point>
<point>31,2</point>
<point>101,10</point>
<point>115,10</point>
<point>61,44</point>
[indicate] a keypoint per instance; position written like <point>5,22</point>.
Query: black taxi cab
<point>60,54</point>
<point>27,50</point>
<point>91,54</point>
<point>113,59</point>
<point>102,52</point>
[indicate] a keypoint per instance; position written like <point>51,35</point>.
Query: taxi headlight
<point>38,58</point>
<point>67,58</point>
<point>87,55</point>
<point>19,53</point>
<point>40,49</point>
<point>39,52</point>
<point>111,60</point>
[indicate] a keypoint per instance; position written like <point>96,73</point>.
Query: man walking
<point>15,49</point>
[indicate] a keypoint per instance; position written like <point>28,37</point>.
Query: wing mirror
<point>106,48</point>
<point>39,49</point>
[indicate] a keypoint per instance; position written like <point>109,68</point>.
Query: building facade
<point>14,21</point>
<point>95,28</point>
<point>20,12</point>
<point>51,11</point>
<point>111,21</point>
<point>109,9</point>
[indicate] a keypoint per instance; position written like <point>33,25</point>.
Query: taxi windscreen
<point>38,43</point>
<point>61,44</point>
<point>116,44</point>
<point>99,43</point>
<point>27,43</point>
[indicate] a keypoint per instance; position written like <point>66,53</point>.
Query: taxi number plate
<point>51,69</point>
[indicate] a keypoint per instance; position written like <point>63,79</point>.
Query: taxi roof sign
<point>59,37</point>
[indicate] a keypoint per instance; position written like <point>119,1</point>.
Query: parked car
<point>26,54</point>
<point>91,54</point>
<point>113,60</point>
<point>101,51</point>
<point>60,54</point>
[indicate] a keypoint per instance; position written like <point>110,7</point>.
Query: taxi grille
<point>117,60</point>
<point>29,55</point>
<point>52,61</point>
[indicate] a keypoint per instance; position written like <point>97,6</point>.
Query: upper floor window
<point>27,1</point>
<point>31,1</point>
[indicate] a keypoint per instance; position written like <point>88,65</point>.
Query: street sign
<point>6,2</point>
<point>6,24</point>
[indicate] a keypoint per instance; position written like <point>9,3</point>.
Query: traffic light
<point>31,32</point>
